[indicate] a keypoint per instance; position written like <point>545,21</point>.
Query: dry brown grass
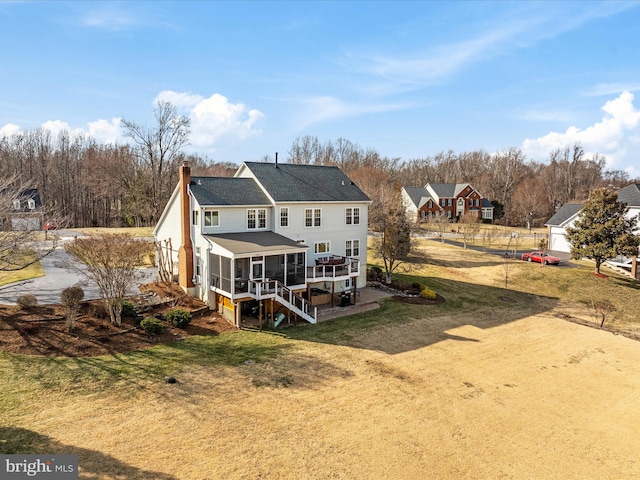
<point>484,392</point>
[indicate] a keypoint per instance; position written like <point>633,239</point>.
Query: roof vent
<point>343,182</point>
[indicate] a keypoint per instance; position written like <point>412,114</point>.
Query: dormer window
<point>31,203</point>
<point>16,204</point>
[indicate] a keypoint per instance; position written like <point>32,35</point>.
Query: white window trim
<point>327,243</point>
<point>350,251</point>
<point>204,215</point>
<point>257,219</point>
<point>195,216</point>
<point>283,210</point>
<point>350,219</point>
<point>313,217</point>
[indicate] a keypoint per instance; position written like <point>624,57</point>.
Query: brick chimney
<point>185,252</point>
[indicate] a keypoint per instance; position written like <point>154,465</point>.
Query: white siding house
<point>567,215</point>
<point>287,236</point>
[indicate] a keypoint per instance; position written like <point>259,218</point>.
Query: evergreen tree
<point>602,230</point>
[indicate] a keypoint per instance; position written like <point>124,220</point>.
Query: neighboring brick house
<point>288,236</point>
<point>452,200</point>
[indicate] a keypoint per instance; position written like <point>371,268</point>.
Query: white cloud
<point>179,99</point>
<point>9,129</point>
<point>104,131</point>
<point>325,108</point>
<point>214,119</point>
<point>616,136</point>
<point>57,126</point>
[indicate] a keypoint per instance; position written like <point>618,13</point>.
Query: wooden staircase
<point>261,290</point>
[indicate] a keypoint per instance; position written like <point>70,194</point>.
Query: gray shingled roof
<point>630,195</point>
<point>486,203</point>
<point>306,183</point>
<point>564,213</point>
<point>447,190</point>
<point>214,191</point>
<point>254,242</point>
<point>416,194</point>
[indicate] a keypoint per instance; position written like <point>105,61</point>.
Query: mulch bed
<point>418,300</point>
<point>42,330</point>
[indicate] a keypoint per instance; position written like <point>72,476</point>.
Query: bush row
<point>177,317</point>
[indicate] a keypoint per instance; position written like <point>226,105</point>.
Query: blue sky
<point>409,79</point>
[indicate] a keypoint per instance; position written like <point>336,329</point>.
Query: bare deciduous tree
<point>111,261</point>
<point>440,224</point>
<point>159,151</point>
<point>469,226</point>
<point>394,243</point>
<point>602,310</point>
<point>164,258</point>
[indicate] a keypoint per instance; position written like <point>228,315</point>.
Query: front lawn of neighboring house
<point>32,271</point>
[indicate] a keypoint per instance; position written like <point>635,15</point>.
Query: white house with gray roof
<point>286,237</point>
<point>569,212</point>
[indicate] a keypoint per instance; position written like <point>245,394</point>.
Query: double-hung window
<point>194,218</point>
<point>284,216</point>
<point>352,216</point>
<point>211,218</point>
<point>312,217</point>
<point>352,248</point>
<point>256,218</point>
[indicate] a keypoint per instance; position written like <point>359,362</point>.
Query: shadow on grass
<point>138,368</point>
<point>398,327</point>
<point>250,352</point>
<point>91,463</point>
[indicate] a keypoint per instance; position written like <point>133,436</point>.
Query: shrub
<point>27,301</point>
<point>416,286</point>
<point>374,273</point>
<point>128,310</point>
<point>427,293</point>
<point>71,297</point>
<point>178,317</point>
<point>152,326</point>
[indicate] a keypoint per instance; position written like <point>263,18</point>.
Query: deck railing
<point>335,268</point>
<point>261,290</point>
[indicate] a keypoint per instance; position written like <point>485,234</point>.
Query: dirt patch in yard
<point>42,330</point>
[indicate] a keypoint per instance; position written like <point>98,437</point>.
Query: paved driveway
<point>47,289</point>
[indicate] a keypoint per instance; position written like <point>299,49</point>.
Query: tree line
<point>107,185</point>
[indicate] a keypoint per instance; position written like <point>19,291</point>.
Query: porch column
<point>355,289</point>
